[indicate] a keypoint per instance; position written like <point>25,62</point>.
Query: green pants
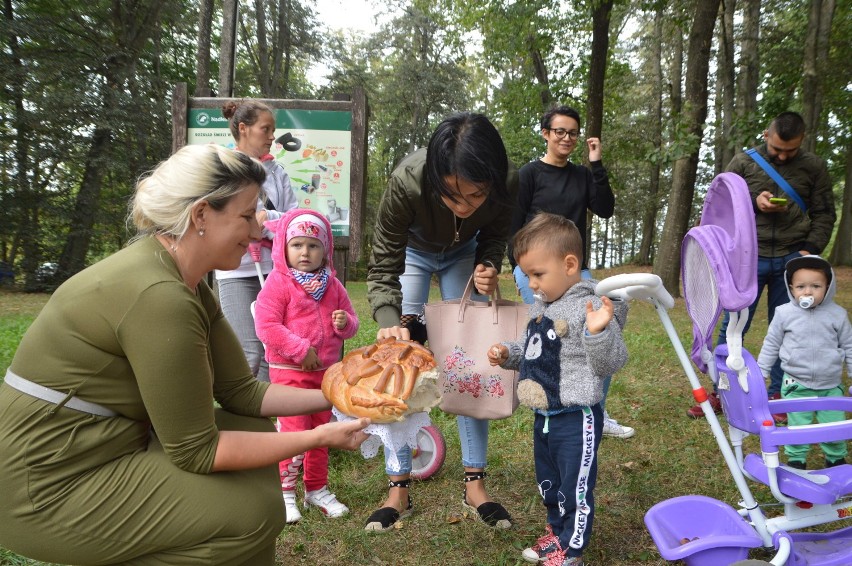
<point>792,389</point>
<point>78,506</point>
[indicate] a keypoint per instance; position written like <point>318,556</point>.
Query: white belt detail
<point>56,397</point>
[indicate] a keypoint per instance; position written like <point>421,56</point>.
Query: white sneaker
<point>326,501</point>
<point>612,428</point>
<point>291,506</point>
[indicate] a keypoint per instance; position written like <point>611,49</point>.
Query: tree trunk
<point>227,48</point>
<point>540,71</point>
<point>841,253</point>
<point>748,76</point>
<point>718,109</point>
<point>285,43</point>
<point>604,245</point>
<point>597,78</point>
<point>134,26</point>
<point>264,75</point>
<point>649,218</point>
<point>667,263</point>
<point>27,219</point>
<point>813,67</point>
<point>597,68</point>
<point>73,258</point>
<point>725,145</point>
<point>202,54</point>
<point>677,74</point>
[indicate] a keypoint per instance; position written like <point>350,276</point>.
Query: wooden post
<point>179,115</point>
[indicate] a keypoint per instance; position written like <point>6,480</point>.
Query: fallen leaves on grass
<point>454,518</point>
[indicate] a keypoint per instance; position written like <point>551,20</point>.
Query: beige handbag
<point>460,333</point>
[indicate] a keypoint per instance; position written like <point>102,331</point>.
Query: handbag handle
<point>468,290</point>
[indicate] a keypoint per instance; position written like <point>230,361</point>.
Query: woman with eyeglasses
<point>446,212</point>
<point>554,184</point>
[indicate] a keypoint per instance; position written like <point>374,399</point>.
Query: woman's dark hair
<point>469,146</point>
<point>246,111</point>
<point>562,110</point>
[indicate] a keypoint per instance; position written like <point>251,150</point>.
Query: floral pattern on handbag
<point>462,377</point>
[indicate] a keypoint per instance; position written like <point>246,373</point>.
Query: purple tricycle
<point>719,272</point>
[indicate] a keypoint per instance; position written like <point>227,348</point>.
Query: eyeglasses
<point>562,132</point>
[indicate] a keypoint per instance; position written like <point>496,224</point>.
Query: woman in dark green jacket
<point>446,212</point>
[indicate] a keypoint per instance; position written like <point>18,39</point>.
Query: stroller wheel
<point>429,455</point>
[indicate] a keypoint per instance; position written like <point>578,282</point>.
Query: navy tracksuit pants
<point>565,447</point>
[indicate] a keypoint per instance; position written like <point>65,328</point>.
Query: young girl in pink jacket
<point>302,316</point>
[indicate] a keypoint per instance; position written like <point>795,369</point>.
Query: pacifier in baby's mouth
<point>806,302</point>
<point>540,296</point>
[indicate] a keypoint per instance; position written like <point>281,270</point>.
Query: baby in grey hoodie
<point>813,337</point>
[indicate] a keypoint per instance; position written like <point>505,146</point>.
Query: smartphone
<point>778,200</point>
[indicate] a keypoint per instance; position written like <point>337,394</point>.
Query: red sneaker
<point>780,418</point>
<point>542,547</point>
<point>696,412</point>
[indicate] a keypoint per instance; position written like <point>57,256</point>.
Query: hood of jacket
<point>811,262</point>
<point>279,241</point>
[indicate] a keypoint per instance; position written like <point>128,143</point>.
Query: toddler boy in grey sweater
<point>572,343</point>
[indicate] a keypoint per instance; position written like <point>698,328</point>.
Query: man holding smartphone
<point>784,229</point>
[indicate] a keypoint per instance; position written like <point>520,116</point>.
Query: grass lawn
<point>670,455</point>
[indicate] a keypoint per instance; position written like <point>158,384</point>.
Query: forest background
<point>673,87</point>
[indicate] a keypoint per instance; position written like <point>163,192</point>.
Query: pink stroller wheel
<point>428,457</point>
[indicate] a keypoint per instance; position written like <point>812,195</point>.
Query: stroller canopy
<point>719,260</point>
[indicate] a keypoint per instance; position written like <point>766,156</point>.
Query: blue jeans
<point>236,295</point>
<point>523,284</point>
<point>453,269</point>
<point>770,274</point>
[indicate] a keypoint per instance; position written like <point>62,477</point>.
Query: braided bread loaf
<point>385,381</point>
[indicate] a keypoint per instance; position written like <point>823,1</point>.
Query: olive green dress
<point>137,488</point>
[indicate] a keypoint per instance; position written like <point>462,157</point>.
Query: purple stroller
<point>719,271</point>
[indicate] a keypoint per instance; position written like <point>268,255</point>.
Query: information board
<point>313,146</point>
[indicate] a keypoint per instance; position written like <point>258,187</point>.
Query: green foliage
<point>73,67</point>
<point>837,104</point>
<point>278,67</point>
<point>86,66</point>
<point>413,68</point>
<point>525,55</point>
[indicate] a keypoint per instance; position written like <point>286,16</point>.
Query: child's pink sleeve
<point>345,304</point>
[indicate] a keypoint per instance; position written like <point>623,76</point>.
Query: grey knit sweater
<point>560,364</point>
